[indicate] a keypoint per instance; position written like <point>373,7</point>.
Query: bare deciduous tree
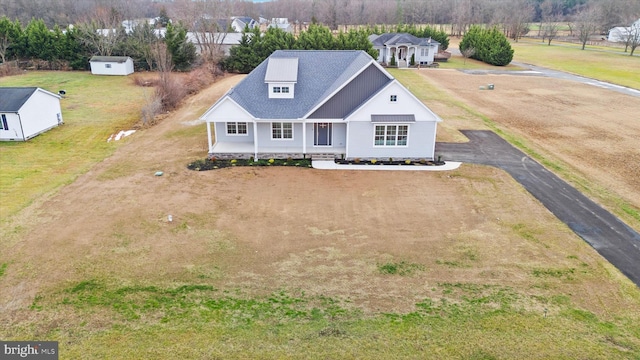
<point>586,24</point>
<point>632,38</point>
<point>467,53</point>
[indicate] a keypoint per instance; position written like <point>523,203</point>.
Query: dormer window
<point>281,77</point>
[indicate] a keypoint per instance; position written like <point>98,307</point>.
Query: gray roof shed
<point>12,98</point>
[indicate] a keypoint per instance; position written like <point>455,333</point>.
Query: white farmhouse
<point>111,65</point>
<point>402,47</point>
<point>298,103</point>
<point>26,112</point>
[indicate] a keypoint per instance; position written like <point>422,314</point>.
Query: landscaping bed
<point>212,164</point>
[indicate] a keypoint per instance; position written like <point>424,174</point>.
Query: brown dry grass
<point>593,132</point>
<point>265,229</point>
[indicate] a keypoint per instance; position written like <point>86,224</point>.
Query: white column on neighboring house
<point>209,135</point>
<point>255,141</point>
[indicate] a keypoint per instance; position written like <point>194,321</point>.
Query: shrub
<point>198,79</point>
<point>491,46</point>
<point>170,91</point>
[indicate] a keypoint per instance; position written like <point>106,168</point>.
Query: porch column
<point>209,135</point>
<point>255,141</point>
<point>346,145</point>
<point>304,138</point>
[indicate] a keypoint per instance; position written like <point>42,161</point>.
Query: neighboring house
<point>402,46</point>
<point>223,41</point>
<point>303,102</point>
<point>282,24</point>
<point>238,23</point>
<point>621,33</point>
<point>111,65</point>
<point>26,112</point>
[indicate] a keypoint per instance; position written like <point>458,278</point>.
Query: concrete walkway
<point>331,165</point>
<point>609,236</point>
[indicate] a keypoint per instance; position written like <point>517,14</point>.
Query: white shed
<point>111,65</point>
<point>26,112</point>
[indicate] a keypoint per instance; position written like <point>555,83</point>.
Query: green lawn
<point>602,63</point>
<point>94,108</point>
<point>201,322</point>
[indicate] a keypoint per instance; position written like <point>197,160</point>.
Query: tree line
<point>73,47</point>
<point>458,14</point>
<point>255,48</point>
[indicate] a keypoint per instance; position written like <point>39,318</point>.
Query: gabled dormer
<point>281,77</point>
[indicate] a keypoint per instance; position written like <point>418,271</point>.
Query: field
<point>302,263</point>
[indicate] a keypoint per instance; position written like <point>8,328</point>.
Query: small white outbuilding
<point>26,112</point>
<point>111,65</point>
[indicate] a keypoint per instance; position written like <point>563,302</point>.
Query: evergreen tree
<point>317,37</point>
<point>243,57</point>
<point>76,54</point>
<point>11,39</point>
<point>183,52</point>
<point>40,42</point>
<point>274,39</point>
<point>491,46</point>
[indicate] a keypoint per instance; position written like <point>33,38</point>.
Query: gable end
<point>350,97</point>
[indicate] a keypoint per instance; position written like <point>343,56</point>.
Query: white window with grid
<point>236,128</point>
<point>391,135</point>
<point>282,131</point>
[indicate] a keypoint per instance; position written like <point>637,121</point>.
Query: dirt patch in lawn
<point>259,230</point>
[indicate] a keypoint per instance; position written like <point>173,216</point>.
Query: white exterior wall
<point>221,134</point>
<point>422,132</point>
<point>15,128</point>
<point>38,114</point>
<point>265,143</point>
<point>100,68</point>
<point>420,143</point>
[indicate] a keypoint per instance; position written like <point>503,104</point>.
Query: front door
<point>322,134</point>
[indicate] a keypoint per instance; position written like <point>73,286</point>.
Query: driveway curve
<point>608,235</point>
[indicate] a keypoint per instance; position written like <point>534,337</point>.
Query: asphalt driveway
<point>609,236</point>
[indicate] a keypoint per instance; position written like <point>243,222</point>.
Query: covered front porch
<point>248,150</point>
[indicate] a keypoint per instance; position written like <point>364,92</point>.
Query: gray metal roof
<point>393,118</point>
<point>12,98</point>
<point>320,74</point>
<point>117,59</point>
<point>282,70</point>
